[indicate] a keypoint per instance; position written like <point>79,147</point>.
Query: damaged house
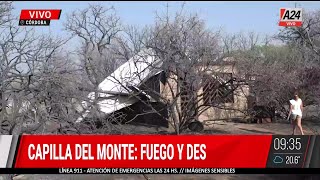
<point>142,91</point>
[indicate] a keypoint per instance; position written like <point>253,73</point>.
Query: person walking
<point>295,113</point>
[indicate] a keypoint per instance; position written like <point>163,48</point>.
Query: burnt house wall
<point>152,85</point>
<point>143,113</point>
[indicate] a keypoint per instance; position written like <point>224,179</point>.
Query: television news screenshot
<point>159,90</point>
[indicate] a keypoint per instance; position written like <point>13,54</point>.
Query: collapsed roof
<point>115,92</point>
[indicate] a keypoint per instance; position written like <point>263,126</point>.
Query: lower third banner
<point>142,151</point>
<point>217,154</point>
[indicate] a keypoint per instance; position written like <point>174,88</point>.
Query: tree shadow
<point>256,131</point>
<point>215,131</point>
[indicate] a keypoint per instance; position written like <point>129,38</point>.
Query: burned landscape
<point>174,76</point>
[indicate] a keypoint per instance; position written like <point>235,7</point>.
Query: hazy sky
<point>232,17</point>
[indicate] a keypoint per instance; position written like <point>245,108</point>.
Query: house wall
<point>229,110</point>
<point>226,110</point>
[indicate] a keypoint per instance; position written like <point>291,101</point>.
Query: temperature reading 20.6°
<point>292,159</point>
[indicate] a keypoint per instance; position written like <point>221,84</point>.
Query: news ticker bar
<point>159,171</point>
<point>155,151</point>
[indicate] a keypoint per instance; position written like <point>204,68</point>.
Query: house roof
<point>131,74</point>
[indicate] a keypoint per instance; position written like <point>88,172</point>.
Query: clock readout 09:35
<point>287,144</point>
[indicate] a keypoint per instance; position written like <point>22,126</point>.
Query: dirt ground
<point>224,127</point>
<point>214,128</point>
<point>268,128</point>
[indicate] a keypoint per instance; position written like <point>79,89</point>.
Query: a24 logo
<point>290,17</point>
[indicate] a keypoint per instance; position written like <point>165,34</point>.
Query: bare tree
<point>14,48</point>
<point>102,50</point>
<point>188,51</point>
<point>30,77</point>
<point>239,42</point>
<point>185,51</point>
<point>5,9</point>
<point>182,44</point>
<point>97,28</point>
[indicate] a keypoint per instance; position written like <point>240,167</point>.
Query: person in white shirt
<point>295,113</point>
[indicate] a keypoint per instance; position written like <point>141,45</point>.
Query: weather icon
<point>278,160</point>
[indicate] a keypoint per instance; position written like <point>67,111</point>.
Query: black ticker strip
<point>159,171</point>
